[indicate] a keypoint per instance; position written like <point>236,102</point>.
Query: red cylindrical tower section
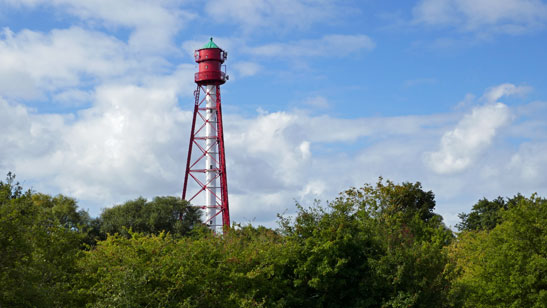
<point>210,59</point>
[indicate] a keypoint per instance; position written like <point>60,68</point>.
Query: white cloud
<point>59,59</point>
<point>315,189</point>
<point>493,94</point>
<point>461,146</point>
<point>26,135</point>
<point>529,164</point>
<point>474,133</point>
<point>304,148</point>
<point>62,61</point>
<point>133,140</point>
<point>483,16</point>
<point>124,141</point>
<point>153,23</point>
<point>127,145</point>
<point>292,156</point>
<point>121,147</point>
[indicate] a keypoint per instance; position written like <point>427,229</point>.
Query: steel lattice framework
<point>208,148</point>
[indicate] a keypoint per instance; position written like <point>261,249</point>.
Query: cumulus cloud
<point>312,157</point>
<point>129,143</point>
<point>108,151</point>
<point>474,133</point>
<point>133,140</point>
<point>153,24</point>
<point>120,147</point>
<point>63,58</point>
<point>528,164</point>
<point>26,135</point>
<point>290,156</point>
<point>63,61</point>
<point>500,16</point>
<point>495,93</point>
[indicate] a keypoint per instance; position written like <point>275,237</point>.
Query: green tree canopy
<point>486,214</point>
<point>40,239</point>
<point>375,246</point>
<point>507,265</point>
<point>379,245</point>
<point>243,268</point>
<point>162,214</point>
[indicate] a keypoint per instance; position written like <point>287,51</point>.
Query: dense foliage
<point>507,265</point>
<point>377,246</point>
<point>486,214</point>
<point>39,246</point>
<point>162,214</point>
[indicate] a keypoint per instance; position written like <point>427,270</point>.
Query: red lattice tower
<point>206,162</point>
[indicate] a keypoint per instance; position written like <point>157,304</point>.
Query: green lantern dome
<point>210,44</point>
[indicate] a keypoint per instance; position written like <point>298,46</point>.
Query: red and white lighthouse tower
<point>206,162</point>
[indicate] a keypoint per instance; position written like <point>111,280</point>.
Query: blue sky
<point>96,98</point>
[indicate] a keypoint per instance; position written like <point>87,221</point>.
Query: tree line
<point>380,245</point>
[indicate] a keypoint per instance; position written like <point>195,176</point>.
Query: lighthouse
<point>206,161</point>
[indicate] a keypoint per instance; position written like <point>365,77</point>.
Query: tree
<point>485,214</point>
<point>410,267</point>
<point>169,214</point>
<point>65,211</point>
<point>243,268</point>
<point>507,265</point>
<point>38,248</point>
<point>376,246</point>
